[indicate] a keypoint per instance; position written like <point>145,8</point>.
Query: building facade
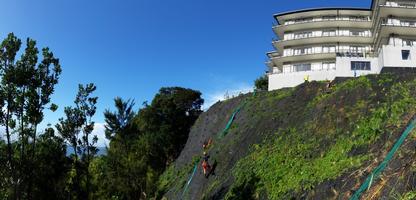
<point>321,44</point>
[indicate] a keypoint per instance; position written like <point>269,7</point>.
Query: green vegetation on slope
<point>286,162</point>
<point>301,142</point>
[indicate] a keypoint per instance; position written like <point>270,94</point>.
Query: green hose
<point>378,170</point>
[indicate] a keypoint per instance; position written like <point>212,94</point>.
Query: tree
<point>165,125</point>
<point>169,118</point>
<point>26,87</point>
<point>76,129</point>
<point>120,122</point>
<point>51,166</point>
<point>262,83</point>
<point>143,144</point>
<point>126,161</point>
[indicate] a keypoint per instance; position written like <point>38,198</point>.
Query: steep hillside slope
<point>308,142</point>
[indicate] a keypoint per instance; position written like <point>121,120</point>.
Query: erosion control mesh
<point>377,171</point>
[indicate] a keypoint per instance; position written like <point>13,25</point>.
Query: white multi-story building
<point>325,43</point>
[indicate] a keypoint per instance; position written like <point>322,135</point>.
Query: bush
<point>262,83</point>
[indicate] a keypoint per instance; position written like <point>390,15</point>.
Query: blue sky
<point>131,48</point>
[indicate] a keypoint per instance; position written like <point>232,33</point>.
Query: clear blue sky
<point>131,48</point>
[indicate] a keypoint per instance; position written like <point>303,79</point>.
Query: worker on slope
<point>306,78</point>
<point>205,165</point>
<point>207,144</point>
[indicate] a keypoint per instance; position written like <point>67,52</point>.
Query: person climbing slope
<point>207,144</point>
<point>205,165</point>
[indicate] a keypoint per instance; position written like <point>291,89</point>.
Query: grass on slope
<point>298,158</point>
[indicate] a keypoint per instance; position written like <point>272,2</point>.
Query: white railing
<point>357,19</point>
<point>293,69</point>
<point>309,51</point>
<point>350,34</point>
<point>400,4</point>
<point>399,23</point>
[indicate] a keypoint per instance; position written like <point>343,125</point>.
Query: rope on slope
<point>377,171</point>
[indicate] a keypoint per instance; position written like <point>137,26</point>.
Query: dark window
<point>406,54</point>
<point>360,65</point>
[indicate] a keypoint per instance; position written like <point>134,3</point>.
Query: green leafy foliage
<point>262,83</point>
<point>409,196</point>
<point>143,144</point>
<point>25,89</point>
<point>76,129</point>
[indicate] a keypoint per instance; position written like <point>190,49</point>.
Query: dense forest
<point>33,159</point>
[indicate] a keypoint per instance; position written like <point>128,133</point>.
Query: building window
<point>405,54</point>
<point>303,35</point>
<point>356,33</point>
<point>302,67</point>
<point>329,33</point>
<point>360,65</point>
<point>328,65</point>
<point>328,49</point>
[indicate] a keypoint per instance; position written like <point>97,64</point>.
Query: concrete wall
<point>278,81</point>
<point>392,56</point>
<point>343,67</point>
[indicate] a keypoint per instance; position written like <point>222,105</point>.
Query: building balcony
<point>356,54</point>
<point>280,60</point>
<point>407,10</point>
<point>322,23</point>
<point>272,54</point>
<point>388,27</point>
<point>343,38</point>
<point>327,18</point>
<point>400,4</point>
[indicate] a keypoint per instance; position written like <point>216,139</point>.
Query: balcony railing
<point>355,19</point>
<point>351,34</point>
<point>400,4</point>
<point>305,68</point>
<point>338,53</point>
<point>398,23</point>
<point>273,54</point>
<point>355,54</point>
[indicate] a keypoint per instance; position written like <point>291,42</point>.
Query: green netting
<point>231,120</point>
<point>377,171</point>
<point>189,180</point>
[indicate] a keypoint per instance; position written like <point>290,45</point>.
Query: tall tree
<point>119,123</point>
<point>169,118</point>
<point>76,129</point>
<point>143,144</point>
<point>125,162</point>
<point>8,50</point>
<point>26,87</point>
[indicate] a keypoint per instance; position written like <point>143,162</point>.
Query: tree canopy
<point>35,163</point>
